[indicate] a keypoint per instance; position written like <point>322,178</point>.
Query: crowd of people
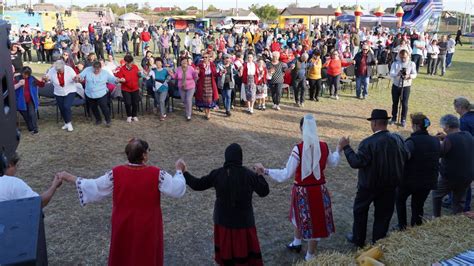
<point>209,69</point>
<point>390,169</point>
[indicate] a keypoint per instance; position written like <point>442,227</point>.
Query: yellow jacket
<point>48,43</point>
<point>314,71</point>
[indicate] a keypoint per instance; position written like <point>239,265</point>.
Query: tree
<point>267,12</point>
<point>212,8</point>
<point>192,8</point>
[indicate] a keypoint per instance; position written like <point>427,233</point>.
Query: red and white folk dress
<point>137,224</point>
<point>310,210</point>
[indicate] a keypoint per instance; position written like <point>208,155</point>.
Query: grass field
<point>80,236</point>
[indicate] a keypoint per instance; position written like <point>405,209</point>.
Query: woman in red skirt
<point>235,235</point>
<point>206,91</point>
<point>310,212</point>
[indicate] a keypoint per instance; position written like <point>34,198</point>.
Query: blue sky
<point>224,4</point>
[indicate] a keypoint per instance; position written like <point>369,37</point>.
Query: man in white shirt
<point>450,51</point>
<point>12,188</point>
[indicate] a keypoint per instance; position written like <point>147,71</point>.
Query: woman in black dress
<point>235,235</point>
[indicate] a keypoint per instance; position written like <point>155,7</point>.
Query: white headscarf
<point>311,149</point>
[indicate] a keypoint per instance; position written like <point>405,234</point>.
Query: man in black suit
<point>380,159</point>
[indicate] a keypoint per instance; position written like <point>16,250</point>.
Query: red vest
<point>137,224</point>
<point>311,180</point>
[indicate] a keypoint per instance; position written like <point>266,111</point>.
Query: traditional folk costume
<point>310,211</point>
<point>207,93</point>
<point>249,80</point>
<point>261,82</point>
<point>137,224</point>
<point>235,235</point>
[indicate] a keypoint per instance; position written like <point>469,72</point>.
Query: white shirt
<point>281,175</point>
<point>69,83</point>
<point>12,188</point>
<point>451,46</point>
<point>92,190</point>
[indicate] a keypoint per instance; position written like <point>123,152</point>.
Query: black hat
<point>378,114</point>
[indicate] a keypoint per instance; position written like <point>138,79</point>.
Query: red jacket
<point>275,47</point>
<point>145,36</point>
<point>245,74</point>
<point>131,78</point>
<point>334,66</point>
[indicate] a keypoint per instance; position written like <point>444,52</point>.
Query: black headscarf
<point>234,170</point>
<point>233,155</point>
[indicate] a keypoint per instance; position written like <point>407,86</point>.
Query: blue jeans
<point>467,205</point>
<point>227,95</point>
<point>362,82</point>
<point>64,104</point>
<point>449,59</point>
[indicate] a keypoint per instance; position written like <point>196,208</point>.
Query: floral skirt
<point>207,99</point>
<point>311,211</point>
<point>262,91</point>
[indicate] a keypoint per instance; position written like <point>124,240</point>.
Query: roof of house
<point>163,9</point>
<point>308,11</point>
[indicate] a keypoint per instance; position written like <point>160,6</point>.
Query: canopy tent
<point>131,20</point>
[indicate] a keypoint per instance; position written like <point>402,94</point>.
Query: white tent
<point>131,20</point>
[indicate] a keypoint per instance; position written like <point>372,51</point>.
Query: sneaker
<point>392,122</point>
<point>251,111</point>
<point>34,132</point>
<point>162,118</point>
<point>135,119</point>
<point>309,257</point>
<point>404,123</point>
<point>264,108</point>
<point>98,122</point>
<point>337,97</point>
<point>317,99</point>
<point>69,127</point>
<point>278,108</point>
<point>129,119</point>
<point>301,104</point>
<point>275,106</point>
<point>232,107</point>
<point>227,113</point>
<point>64,127</point>
<point>188,118</point>
<point>364,97</point>
<point>108,124</point>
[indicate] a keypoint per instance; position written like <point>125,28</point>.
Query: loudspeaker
<point>22,237</point>
<point>9,137</point>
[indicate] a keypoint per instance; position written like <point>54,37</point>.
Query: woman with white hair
<point>277,72</point>
<point>65,88</point>
<point>310,212</point>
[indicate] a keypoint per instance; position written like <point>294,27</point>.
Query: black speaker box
<point>22,238</point>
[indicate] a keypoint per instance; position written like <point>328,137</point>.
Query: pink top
<point>191,77</point>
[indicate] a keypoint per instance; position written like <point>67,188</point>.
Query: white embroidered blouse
<point>281,175</point>
<point>92,190</point>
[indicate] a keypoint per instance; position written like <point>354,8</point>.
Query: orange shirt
<point>334,66</point>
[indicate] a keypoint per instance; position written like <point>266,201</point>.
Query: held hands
<point>181,165</point>
<point>259,168</point>
<point>57,181</point>
<point>441,136</point>
<point>65,176</point>
<point>344,141</point>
